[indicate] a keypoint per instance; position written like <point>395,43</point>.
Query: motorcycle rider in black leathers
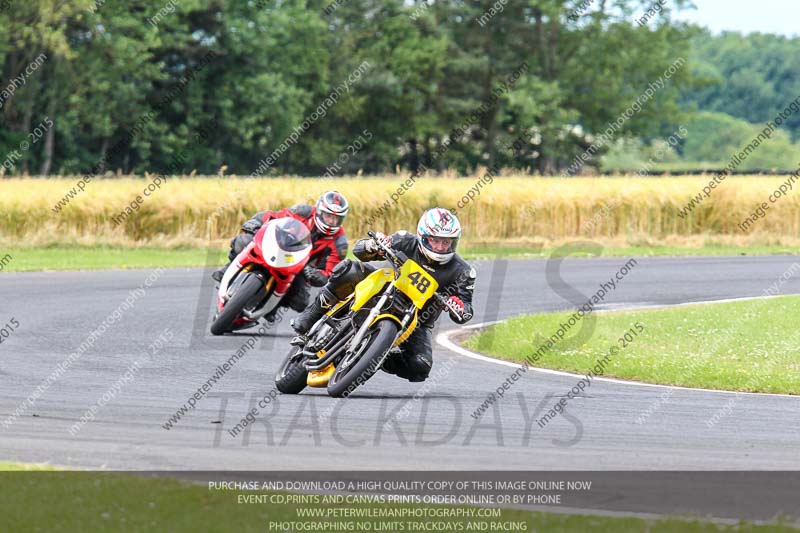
<point>434,248</point>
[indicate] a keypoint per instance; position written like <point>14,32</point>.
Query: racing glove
<point>372,248</point>
<point>455,305</point>
<point>252,226</point>
<point>315,276</point>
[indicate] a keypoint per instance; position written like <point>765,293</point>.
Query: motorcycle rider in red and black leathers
<point>434,248</point>
<point>329,243</point>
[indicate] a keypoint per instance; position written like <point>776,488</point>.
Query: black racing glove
<point>252,226</point>
<point>314,276</point>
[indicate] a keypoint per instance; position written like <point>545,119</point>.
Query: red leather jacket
<point>327,251</point>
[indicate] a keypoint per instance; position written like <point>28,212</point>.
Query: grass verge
<point>92,501</point>
<point>101,258</point>
<point>5,466</point>
<point>748,346</point>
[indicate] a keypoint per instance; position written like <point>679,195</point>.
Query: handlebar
<point>388,252</point>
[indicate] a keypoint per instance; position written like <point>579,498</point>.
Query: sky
<point>766,16</point>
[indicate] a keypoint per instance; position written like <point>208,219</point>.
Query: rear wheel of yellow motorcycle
<point>292,375</point>
<point>356,369</point>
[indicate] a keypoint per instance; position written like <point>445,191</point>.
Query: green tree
<point>752,77</point>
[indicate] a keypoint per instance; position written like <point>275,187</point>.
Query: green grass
<point>14,467</point>
<point>92,501</point>
<point>100,258</point>
<point>91,258</point>
<point>672,166</point>
<point>751,346</point>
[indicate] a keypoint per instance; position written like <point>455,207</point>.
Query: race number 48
<point>420,282</point>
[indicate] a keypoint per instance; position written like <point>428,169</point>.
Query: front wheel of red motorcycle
<point>245,294</point>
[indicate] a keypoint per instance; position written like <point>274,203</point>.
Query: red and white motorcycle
<point>259,277</point>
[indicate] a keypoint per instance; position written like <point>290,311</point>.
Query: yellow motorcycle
<point>350,343</point>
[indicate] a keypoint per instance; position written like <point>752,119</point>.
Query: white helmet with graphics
<point>438,233</point>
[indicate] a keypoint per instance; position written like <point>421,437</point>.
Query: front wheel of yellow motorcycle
<point>356,369</point>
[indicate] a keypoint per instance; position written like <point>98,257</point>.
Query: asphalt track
<point>604,429</point>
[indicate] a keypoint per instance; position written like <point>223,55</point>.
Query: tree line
<point>127,85</point>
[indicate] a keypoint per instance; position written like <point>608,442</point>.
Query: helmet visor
<point>330,220</point>
<point>441,245</point>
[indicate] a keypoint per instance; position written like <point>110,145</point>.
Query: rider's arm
<point>258,220</point>
<point>364,250</point>
<point>465,285</point>
<point>262,217</point>
<point>337,255</point>
<point>360,251</point>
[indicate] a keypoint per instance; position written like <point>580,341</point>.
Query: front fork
<point>362,331</point>
<point>242,262</point>
<point>233,268</point>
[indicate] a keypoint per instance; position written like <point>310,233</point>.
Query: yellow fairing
<point>415,283</point>
<point>371,285</point>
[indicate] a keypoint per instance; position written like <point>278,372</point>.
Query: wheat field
<point>196,211</point>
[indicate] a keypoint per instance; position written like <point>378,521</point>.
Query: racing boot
<point>237,245</point>
<point>273,317</point>
<point>414,368</point>
<point>390,363</point>
<point>217,274</point>
<point>305,320</point>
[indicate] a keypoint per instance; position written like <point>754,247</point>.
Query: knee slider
<point>344,278</point>
<point>420,365</point>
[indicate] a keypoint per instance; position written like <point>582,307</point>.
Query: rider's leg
<point>238,244</point>
<point>298,295</point>
<point>345,276</point>
<point>296,298</point>
<point>415,359</point>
